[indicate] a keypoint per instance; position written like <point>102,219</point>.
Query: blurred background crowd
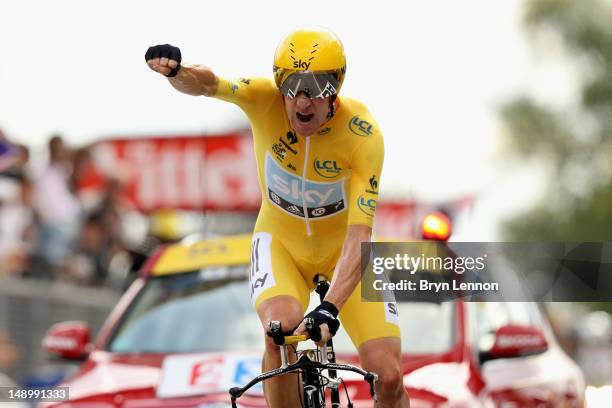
<point>50,228</point>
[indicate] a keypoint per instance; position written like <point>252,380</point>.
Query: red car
<point>185,332</point>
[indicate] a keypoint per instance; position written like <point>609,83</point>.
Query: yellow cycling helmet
<point>315,53</point>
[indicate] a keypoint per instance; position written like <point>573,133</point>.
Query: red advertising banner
<point>191,173</point>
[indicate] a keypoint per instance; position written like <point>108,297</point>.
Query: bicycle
<point>310,365</point>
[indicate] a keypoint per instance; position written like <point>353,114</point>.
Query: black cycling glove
<point>165,51</point>
<point>325,313</point>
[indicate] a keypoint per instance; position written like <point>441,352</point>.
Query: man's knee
<point>285,309</point>
<point>390,378</point>
<point>383,357</point>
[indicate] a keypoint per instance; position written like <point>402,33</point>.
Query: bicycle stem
<point>322,286</point>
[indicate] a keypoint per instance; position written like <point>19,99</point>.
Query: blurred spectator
<point>16,215</point>
<point>8,153</point>
<point>86,180</point>
<point>19,165</point>
<point>114,206</point>
<point>57,205</point>
<point>90,262</point>
<point>101,238</point>
<point>17,225</point>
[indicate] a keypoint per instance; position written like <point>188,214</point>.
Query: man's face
<point>306,115</point>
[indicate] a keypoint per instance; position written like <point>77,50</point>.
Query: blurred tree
<point>574,143</point>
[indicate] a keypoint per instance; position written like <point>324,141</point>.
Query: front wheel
<point>314,389</point>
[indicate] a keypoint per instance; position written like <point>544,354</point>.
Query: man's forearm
<point>347,272</point>
<point>196,80</point>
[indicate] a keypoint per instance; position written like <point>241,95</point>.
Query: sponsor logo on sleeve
<point>233,86</point>
<point>360,127</point>
<point>327,168</point>
<point>293,195</point>
<point>373,185</point>
<point>367,205</point>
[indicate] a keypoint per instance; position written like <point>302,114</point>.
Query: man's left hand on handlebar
<point>325,324</point>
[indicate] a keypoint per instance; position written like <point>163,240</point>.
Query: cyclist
<point>319,158</point>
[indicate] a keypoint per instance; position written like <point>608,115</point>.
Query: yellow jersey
<point>312,186</point>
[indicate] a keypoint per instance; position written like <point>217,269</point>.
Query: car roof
<point>186,257</point>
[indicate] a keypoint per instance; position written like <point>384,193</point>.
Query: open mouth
<point>304,118</point>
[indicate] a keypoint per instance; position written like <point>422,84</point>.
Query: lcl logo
<point>367,206</point>
<point>327,168</point>
<point>360,127</point>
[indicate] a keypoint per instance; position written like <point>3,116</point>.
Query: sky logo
<point>286,190</point>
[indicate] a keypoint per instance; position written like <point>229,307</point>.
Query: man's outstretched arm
<point>193,80</point>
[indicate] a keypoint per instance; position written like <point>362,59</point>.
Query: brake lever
<point>371,378</point>
<point>276,332</point>
<point>313,331</point>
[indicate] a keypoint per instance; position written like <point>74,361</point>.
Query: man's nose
<point>303,101</point>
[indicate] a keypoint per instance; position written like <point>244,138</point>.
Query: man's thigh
<point>278,290</point>
<point>365,321</point>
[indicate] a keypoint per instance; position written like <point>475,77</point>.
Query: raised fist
<point>165,59</point>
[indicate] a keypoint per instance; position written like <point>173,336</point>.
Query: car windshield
<point>211,310</point>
